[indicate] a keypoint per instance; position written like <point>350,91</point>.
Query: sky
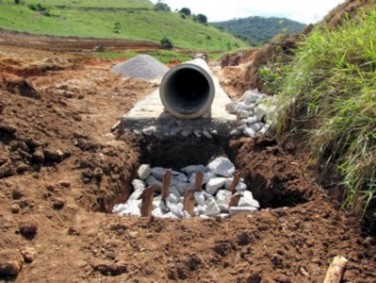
<point>222,10</point>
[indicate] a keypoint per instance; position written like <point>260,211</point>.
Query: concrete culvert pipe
<point>187,90</point>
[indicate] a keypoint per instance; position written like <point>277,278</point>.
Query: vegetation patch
<point>328,92</point>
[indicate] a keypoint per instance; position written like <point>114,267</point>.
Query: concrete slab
<point>150,112</point>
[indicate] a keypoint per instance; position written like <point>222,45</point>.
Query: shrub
<point>166,43</point>
<point>162,7</point>
<point>185,11</point>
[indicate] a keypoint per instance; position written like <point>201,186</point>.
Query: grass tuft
<point>329,93</point>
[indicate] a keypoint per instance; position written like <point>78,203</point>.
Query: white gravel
<point>142,66</point>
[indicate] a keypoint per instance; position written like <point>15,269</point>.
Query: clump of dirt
<point>348,9</point>
<point>63,168</point>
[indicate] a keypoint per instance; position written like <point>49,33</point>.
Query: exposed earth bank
<point>63,165</point>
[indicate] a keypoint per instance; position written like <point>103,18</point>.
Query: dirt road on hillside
<point>59,43</point>
<point>62,169</point>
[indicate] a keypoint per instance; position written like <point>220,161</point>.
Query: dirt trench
<point>63,167</point>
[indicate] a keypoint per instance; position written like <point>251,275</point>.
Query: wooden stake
<point>198,181</point>
<point>234,201</point>
<point>234,183</point>
<point>336,270</point>
<point>147,201</point>
<point>189,201</point>
<point>166,185</point>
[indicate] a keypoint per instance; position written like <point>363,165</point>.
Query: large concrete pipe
<point>187,90</point>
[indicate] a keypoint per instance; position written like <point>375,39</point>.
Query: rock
<point>38,155</point>
<point>222,166</point>
<point>151,180</point>
<point>200,198</point>
<point>177,210</point>
<point>207,177</point>
<point>119,208</point>
<point>197,134</point>
<point>232,107</point>
<point>264,130</point>
<point>15,208</point>
<point>199,210</point>
<point>173,199</point>
<point>214,185</point>
<point>180,177</point>
<point>224,215</point>
<point>247,200</point>
<point>260,111</point>
<point>181,187</point>
<point>234,210</point>
<point>247,107</point>
<point>251,120</point>
<point>28,254</point>
<point>223,200</point>
<point>28,229</point>
<point>189,170</point>
<point>149,131</point>
<point>252,96</point>
<point>211,208</point>
<point>243,114</point>
<point>256,127</point>
<point>207,135</point>
<point>229,182</point>
<point>54,155</point>
<point>138,189</point>
<point>157,212</point>
<point>240,187</point>
<point>11,262</point>
<point>186,133</point>
<point>249,132</point>
<point>17,194</point>
<point>235,133</point>
<point>57,203</point>
<point>131,208</point>
<point>158,172</point>
<point>144,171</point>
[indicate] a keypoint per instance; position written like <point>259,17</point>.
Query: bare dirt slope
<point>61,169</point>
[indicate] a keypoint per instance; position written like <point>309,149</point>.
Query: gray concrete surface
<point>149,112</point>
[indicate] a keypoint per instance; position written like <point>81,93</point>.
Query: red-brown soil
<point>62,167</point>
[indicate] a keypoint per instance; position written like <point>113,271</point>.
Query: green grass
<point>145,25</point>
<point>165,56</point>
<point>329,93</point>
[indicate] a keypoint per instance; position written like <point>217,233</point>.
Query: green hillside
<point>124,19</point>
<point>258,30</point>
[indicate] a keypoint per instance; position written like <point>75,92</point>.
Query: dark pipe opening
<point>187,90</point>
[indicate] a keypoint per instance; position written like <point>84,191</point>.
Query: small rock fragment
<point>223,200</point>
<point>189,170</point>
<point>212,208</point>
<point>38,155</point>
<point>249,132</point>
<point>11,262</point>
<point>234,210</point>
<point>28,254</point>
<point>222,166</point>
<point>214,185</point>
<point>57,203</point>
<point>15,208</point>
<point>144,171</point>
<point>243,114</point>
<point>232,107</point>
<point>252,96</point>
<point>247,200</point>
<point>28,229</point>
<point>149,130</point>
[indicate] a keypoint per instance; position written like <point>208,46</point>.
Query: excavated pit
<point>272,177</point>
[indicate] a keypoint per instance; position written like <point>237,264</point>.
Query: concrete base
<point>150,113</point>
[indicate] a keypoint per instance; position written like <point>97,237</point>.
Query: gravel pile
<point>213,200</point>
<point>254,113</point>
<point>142,66</point>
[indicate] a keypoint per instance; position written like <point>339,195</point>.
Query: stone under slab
<point>148,116</point>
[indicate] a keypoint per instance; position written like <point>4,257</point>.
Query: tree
<point>17,2</point>
<point>162,7</point>
<point>185,11</point>
<point>202,19</point>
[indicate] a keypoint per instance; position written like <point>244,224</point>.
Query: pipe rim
<point>205,108</point>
